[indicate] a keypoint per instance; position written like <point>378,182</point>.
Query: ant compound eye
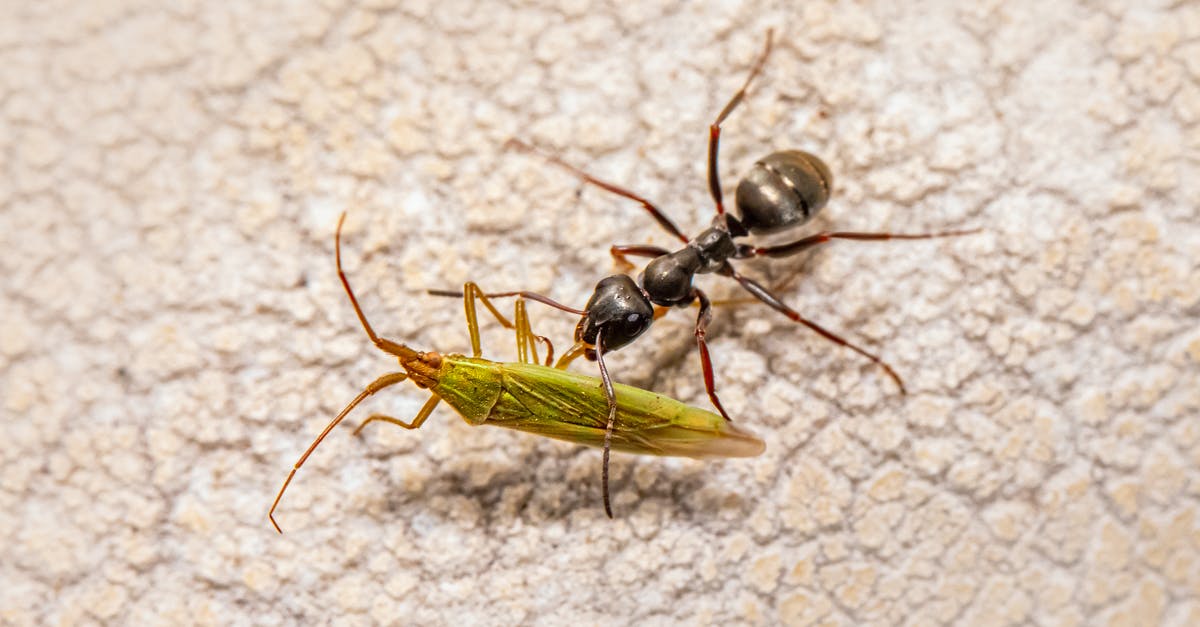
<point>783,190</point>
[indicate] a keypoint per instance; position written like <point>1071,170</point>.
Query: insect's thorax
<point>470,385</point>
<point>714,245</point>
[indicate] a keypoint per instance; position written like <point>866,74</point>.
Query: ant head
<point>618,306</point>
<point>783,190</point>
<point>668,279</point>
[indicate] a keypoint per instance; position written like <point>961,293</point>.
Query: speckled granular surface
<point>174,334</point>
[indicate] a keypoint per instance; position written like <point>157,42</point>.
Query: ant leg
<point>702,321</point>
<point>621,254</point>
<point>384,344</point>
<point>655,212</point>
<point>612,416</point>
<point>792,248</point>
<point>714,130</point>
<point>763,294</point>
<point>376,385</point>
<point>416,423</point>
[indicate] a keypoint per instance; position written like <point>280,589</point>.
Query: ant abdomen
<point>783,190</point>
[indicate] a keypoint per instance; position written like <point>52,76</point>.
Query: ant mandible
<point>783,190</point>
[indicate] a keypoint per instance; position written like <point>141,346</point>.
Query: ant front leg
<point>706,366</point>
<point>800,245</point>
<point>763,294</point>
<point>654,211</point>
<point>714,130</point>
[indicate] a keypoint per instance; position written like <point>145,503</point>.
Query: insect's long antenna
<point>388,346</point>
<point>394,348</point>
<point>545,300</point>
<point>375,386</point>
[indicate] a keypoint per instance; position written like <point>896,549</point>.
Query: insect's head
<point>783,190</point>
<point>620,308</point>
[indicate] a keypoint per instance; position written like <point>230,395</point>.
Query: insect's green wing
<point>572,407</point>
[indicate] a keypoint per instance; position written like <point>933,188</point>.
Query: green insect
<point>538,399</point>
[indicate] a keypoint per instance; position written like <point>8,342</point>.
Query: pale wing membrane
<point>572,407</point>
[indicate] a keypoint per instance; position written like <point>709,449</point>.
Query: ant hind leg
<point>714,130</point>
<point>655,212</point>
<point>763,294</point>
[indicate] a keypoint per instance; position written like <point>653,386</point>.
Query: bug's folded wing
<point>572,407</point>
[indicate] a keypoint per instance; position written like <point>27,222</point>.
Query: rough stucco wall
<point>174,334</point>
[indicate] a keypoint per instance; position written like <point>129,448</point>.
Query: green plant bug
<point>538,399</point>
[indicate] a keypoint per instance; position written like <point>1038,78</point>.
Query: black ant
<point>783,190</point>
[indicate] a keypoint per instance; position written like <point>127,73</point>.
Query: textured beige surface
<point>174,335</point>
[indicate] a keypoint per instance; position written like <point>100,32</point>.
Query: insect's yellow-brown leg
<point>376,385</point>
<point>526,349</point>
<point>473,325</point>
<point>471,292</point>
<point>526,339</point>
<point>549,349</point>
<point>416,423</point>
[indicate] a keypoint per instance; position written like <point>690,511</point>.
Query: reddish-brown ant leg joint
<point>706,366</point>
